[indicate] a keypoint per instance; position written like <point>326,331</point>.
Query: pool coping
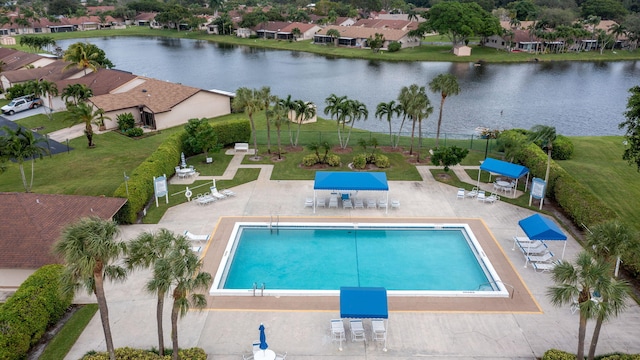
<point>521,300</point>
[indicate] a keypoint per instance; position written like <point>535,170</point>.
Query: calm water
<point>578,98</point>
<point>326,259</point>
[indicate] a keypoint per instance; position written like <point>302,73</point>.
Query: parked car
<point>21,103</point>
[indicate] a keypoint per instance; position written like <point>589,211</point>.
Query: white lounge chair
<point>337,331</point>
<point>473,193</point>
<point>333,202</point>
<point>357,330</point>
<point>216,194</point>
<point>371,204</point>
<point>538,249</point>
<point>358,203</point>
<point>322,202</point>
<point>281,356</point>
<point>379,333</point>
<point>382,203</point>
<point>247,357</point>
<point>460,194</point>
<point>347,204</point>
<point>308,202</point>
<point>395,204</point>
<point>481,195</point>
<point>228,192</point>
<point>492,198</point>
<point>194,237</point>
<point>543,266</point>
<point>544,258</point>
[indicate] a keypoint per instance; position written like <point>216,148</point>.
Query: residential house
<point>53,72</point>
<point>286,32</point>
<point>32,223</point>
<point>100,82</point>
<point>344,21</point>
<point>15,59</point>
<point>270,29</point>
<point>160,104</point>
<point>357,36</point>
<point>146,19</point>
<point>387,24</point>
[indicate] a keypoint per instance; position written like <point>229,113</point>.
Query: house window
<point>37,30</point>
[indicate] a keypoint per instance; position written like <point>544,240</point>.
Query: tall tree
<point>609,241</point>
<point>388,110</point>
<point>77,92</point>
<point>278,114</point>
<point>90,252</point>
<point>144,252</point>
<point>84,113</point>
<point>44,87</point>
<point>575,284</point>
<point>334,34</point>
<point>86,56</point>
<point>632,128</point>
<point>445,84</point>
<point>414,100</point>
<point>250,102</point>
<point>459,21</point>
<point>22,145</point>
<point>267,98</point>
<point>183,267</point>
<point>544,136</point>
<point>288,105</point>
<point>423,114</point>
<point>303,111</point>
<point>336,109</point>
<point>355,110</point>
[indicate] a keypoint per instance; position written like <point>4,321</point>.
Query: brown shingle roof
<point>356,32</point>
<point>52,72</point>
<point>101,82</point>
<point>158,96</point>
<point>18,60</point>
<point>32,223</point>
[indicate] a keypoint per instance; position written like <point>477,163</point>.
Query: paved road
<point>53,146</point>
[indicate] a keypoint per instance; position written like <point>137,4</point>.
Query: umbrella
<point>263,338</point>
<point>183,162</point>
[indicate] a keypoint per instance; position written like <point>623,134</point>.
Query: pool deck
<point>433,328</point>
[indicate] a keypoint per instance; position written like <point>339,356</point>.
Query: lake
<point>578,98</point>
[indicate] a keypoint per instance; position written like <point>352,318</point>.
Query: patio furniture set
<point>535,252</point>
<point>213,196</point>
<point>378,332</point>
<point>349,202</point>
<point>186,172</point>
<point>477,194</point>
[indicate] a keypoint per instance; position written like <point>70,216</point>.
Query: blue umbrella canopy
<point>263,338</point>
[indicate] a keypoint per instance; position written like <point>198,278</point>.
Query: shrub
<point>382,161</point>
<point>554,354</point>
<point>394,46</point>
<point>134,132</point>
<point>359,161</point>
<point>28,313</point>
<point>309,160</point>
<point>137,354</point>
<point>448,156</point>
<point>562,148</point>
<point>333,160</point>
<point>125,121</point>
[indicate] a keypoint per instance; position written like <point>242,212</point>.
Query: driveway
<point>53,146</point>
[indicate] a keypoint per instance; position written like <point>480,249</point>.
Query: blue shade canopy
<point>363,302</point>
<point>538,227</point>
<point>335,180</point>
<point>508,169</point>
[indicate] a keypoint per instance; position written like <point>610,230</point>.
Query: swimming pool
<point>408,259</point>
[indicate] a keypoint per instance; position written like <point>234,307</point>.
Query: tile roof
<point>159,96</point>
<point>32,223</point>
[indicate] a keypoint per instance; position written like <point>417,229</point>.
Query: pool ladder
<point>255,287</point>
<point>273,225</point>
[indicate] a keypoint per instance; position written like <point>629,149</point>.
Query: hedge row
<point>578,201</point>
<point>136,354</point>
<point>36,305</point>
<point>554,354</point>
<point>163,161</point>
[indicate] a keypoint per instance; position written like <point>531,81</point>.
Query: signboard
<point>160,188</point>
<point>538,187</point>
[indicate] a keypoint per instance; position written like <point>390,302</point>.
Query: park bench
<point>241,147</point>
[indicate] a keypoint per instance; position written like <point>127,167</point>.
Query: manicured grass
<point>62,342</point>
<point>43,124</point>
<point>597,163</point>
<point>176,193</point>
<point>419,53</point>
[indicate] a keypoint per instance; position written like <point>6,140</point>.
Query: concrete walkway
<point>226,334</point>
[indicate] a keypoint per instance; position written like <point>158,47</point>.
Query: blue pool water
<point>327,258</point>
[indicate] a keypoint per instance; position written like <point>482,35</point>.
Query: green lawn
<point>62,342</point>
<point>597,163</point>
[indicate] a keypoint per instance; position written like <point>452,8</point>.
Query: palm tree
<point>90,252</point>
<point>278,114</point>
<point>144,251</point>
<point>183,267</point>
<point>446,84</point>
<point>576,285</point>
<point>304,111</point>
<point>423,114</point>
<point>356,110</point>
<point>267,98</point>
<point>288,105</point>
<point>617,30</point>
<point>609,240</point>
<point>84,113</point>
<point>77,92</point>
<point>388,109</point>
<point>250,102</point>
<point>335,35</point>
<point>82,56</point>
<point>545,135</point>
<point>21,145</point>
<point>335,108</point>
<point>51,89</point>
<point>413,99</point>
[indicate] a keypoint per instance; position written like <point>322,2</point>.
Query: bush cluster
<point>554,354</point>
<point>137,354</point>
<point>163,161</point>
<point>134,132</point>
<point>394,46</point>
<point>125,122</point>
<point>562,148</point>
<point>26,315</point>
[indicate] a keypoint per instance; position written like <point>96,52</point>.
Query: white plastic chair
<point>337,331</point>
<point>357,330</point>
<point>322,202</point>
<point>473,193</point>
<point>460,194</point>
<point>308,202</point>
<point>395,204</point>
<point>481,196</point>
